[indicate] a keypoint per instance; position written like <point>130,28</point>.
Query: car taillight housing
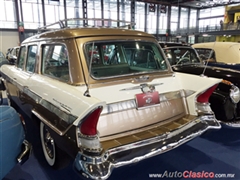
<point>204,97</point>
<point>89,125</point>
<point>203,105</point>
<point>87,133</point>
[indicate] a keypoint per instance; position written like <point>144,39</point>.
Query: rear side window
<point>55,61</point>
<point>22,55</point>
<point>31,58</point>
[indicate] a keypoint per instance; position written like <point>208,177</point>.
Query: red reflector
<point>203,98</point>
<point>89,125</point>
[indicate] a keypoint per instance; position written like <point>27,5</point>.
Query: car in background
<point>3,59</point>
<point>221,54</point>
<point>170,44</point>
<point>12,54</point>
<point>225,99</point>
<point>106,97</point>
<point>14,148</point>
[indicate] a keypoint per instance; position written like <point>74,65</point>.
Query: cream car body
<point>106,97</point>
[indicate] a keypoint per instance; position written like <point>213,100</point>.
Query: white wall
<point>8,39</point>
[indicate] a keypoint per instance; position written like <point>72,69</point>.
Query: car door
<point>21,74</point>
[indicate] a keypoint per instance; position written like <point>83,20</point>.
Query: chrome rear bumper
<point>100,167</point>
<point>233,124</point>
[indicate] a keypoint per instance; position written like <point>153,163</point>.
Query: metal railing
<point>87,22</point>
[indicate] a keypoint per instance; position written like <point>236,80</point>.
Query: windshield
<point>178,55</point>
<point>123,58</point>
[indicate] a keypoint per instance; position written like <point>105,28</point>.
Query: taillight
<point>89,125</point>
<point>204,97</point>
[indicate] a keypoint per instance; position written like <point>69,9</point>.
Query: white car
<point>106,97</point>
<point>221,54</point>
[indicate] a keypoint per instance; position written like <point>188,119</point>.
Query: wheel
<point>54,156</point>
<point>48,145</point>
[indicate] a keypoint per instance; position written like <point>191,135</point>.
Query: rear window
<point>178,55</point>
<point>123,58</point>
<point>206,54</point>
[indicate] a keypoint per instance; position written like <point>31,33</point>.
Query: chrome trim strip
<point>140,86</point>
<point>131,104</point>
<point>100,167</point>
<point>63,115</point>
<point>54,128</point>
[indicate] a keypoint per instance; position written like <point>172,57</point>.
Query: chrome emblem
<point>148,100</point>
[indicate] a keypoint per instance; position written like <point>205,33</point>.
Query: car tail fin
<point>89,125</point>
<point>202,101</point>
<point>204,97</point>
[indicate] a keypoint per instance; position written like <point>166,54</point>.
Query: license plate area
<point>147,99</point>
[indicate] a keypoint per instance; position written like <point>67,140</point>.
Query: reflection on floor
<point>216,151</point>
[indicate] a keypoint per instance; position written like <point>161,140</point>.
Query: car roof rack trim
<point>87,22</point>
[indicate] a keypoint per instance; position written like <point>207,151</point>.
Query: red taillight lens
<point>203,98</point>
<point>89,125</point>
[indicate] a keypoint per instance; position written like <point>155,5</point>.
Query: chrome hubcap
<point>48,143</point>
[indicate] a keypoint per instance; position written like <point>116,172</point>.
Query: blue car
<point>13,146</point>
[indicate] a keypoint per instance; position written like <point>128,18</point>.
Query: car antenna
<point>86,93</point>
<point>210,54</point>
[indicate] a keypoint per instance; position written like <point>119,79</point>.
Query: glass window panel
<point>10,10</point>
<point>193,18</point>
<point>55,61</point>
<point>174,18</point>
<point>109,59</point>
<point>163,20</point>
<point>140,16</point>
<point>2,11</point>
<point>27,12</point>
<point>125,11</point>
<point>21,58</point>
<point>32,15</point>
<point>50,14</point>
<point>184,18</point>
<point>211,12</point>
<point>7,14</point>
<point>31,58</point>
<point>151,21</point>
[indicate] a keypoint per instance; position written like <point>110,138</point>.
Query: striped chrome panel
<point>131,104</point>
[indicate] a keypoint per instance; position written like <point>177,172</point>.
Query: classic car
<point>221,54</point>
<point>14,148</point>
<point>225,99</point>
<point>106,97</point>
<point>13,54</point>
<point>3,59</point>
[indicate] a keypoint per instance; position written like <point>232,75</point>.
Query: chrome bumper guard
<point>25,153</point>
<point>233,124</point>
<point>100,167</point>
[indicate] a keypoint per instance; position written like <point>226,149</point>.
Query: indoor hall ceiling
<point>194,3</point>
